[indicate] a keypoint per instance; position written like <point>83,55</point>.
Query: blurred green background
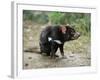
<point>81,21</point>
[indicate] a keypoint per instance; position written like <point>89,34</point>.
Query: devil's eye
<point>72,32</point>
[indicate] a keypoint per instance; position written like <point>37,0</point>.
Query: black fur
<point>54,32</point>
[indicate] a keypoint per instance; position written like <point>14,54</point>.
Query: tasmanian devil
<point>54,37</point>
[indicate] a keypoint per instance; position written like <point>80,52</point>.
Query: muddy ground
<point>78,52</point>
<point>34,60</point>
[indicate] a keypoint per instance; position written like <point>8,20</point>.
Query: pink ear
<point>63,29</point>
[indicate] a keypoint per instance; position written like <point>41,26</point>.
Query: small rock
<point>71,55</point>
<point>26,64</point>
<point>29,57</point>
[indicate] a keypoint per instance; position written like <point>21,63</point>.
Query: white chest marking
<point>57,41</point>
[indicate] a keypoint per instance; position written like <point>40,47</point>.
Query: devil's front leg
<point>54,48</point>
<point>62,51</point>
